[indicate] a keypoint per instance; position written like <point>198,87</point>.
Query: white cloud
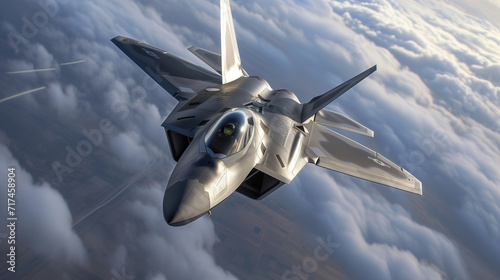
<point>63,100</point>
<point>437,76</point>
<point>129,151</point>
<point>438,73</point>
<point>382,239</point>
<point>44,221</point>
<point>107,77</point>
<point>174,253</point>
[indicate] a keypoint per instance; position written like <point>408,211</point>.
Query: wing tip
<point>418,187</point>
<point>370,133</point>
<point>117,39</point>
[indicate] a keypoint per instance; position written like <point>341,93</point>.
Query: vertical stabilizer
<point>231,62</point>
<point>319,102</point>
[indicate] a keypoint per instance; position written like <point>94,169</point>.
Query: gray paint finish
<point>283,134</point>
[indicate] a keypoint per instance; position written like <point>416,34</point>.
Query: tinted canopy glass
<point>229,135</point>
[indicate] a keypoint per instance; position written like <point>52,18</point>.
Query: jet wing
<point>181,78</point>
<point>333,151</point>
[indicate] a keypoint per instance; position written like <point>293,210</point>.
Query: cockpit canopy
<point>230,134</point>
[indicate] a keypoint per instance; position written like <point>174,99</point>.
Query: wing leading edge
<point>333,151</point>
<point>181,78</point>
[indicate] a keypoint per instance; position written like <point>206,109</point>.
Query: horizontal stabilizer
<point>336,152</point>
<point>332,119</point>
<point>319,102</point>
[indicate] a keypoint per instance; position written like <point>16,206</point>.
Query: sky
<point>433,104</point>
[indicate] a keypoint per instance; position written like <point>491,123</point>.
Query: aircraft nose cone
<point>172,200</point>
<point>184,202</point>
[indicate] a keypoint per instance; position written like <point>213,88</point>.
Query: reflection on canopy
<point>229,135</point>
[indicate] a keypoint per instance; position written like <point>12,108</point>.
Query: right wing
<point>331,150</point>
<point>181,78</point>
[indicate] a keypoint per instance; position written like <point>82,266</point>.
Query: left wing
<point>181,78</point>
<point>331,150</point>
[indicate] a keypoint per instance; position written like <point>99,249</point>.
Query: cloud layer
<point>107,86</point>
<point>44,220</point>
<point>433,104</point>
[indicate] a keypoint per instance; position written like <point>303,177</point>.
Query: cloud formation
<point>382,239</point>
<point>433,105</point>
<point>44,220</point>
<point>171,253</point>
<point>109,86</point>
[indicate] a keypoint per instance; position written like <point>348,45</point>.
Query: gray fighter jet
<point>232,132</point>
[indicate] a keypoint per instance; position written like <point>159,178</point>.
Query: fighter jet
<point>232,132</point>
